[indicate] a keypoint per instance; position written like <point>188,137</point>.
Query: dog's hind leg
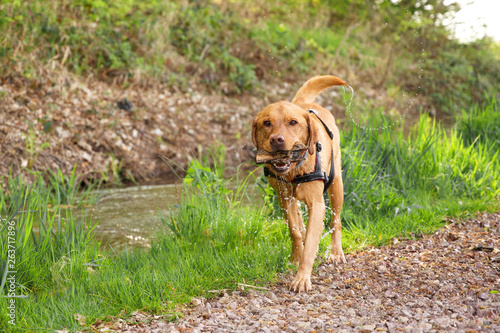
<point>336,194</point>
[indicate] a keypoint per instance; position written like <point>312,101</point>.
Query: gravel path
<point>447,281</point>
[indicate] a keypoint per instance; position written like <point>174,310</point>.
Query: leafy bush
<point>233,47</point>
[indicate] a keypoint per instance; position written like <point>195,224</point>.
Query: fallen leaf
<point>80,319</point>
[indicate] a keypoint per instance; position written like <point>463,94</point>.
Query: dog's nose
<point>277,141</point>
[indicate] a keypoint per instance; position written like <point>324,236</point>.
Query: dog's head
<point>280,126</point>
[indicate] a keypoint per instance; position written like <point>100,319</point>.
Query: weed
<point>114,171</point>
<point>33,148</point>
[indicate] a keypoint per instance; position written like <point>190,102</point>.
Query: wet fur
<point>307,130</point>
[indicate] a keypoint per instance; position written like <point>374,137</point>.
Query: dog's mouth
<point>281,167</point>
<point>282,157</point>
<point>281,161</point>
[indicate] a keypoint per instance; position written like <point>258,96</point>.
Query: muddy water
<point>128,217</point>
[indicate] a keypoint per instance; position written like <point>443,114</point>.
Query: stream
<point>127,217</point>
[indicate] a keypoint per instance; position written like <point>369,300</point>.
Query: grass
<point>395,186</point>
<point>481,124</point>
<point>234,47</point>
<point>46,246</point>
<point>46,232</point>
<point>211,242</point>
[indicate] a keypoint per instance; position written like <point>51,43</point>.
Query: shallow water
<point>127,217</point>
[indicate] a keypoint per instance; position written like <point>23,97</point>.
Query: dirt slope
<point>50,124</point>
<point>119,133</point>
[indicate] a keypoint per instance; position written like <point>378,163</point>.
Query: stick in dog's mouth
<point>281,159</point>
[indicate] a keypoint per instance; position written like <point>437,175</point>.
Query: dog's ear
<point>313,137</point>
<point>254,132</point>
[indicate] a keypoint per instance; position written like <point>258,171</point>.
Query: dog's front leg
<point>302,281</point>
<point>291,212</point>
<point>290,209</point>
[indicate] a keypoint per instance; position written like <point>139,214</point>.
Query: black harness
<point>317,174</point>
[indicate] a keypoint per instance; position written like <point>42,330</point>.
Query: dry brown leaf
<point>80,319</point>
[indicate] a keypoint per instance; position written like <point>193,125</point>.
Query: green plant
<point>273,209</point>
<point>33,147</point>
<point>200,35</point>
<point>114,171</point>
<point>66,189</point>
<point>45,235</point>
<point>209,242</point>
<point>481,124</point>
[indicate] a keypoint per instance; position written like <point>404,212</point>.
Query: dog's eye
<point>267,123</point>
<point>293,122</point>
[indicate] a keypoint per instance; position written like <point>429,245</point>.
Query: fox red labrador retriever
<point>299,144</point>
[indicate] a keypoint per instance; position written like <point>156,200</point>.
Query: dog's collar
<point>317,174</point>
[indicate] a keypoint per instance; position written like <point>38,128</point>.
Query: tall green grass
<point>51,245</point>
<point>481,124</point>
<point>46,232</point>
<point>404,186</point>
<point>207,244</point>
<point>395,186</point>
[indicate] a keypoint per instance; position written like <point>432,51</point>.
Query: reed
<point>51,245</point>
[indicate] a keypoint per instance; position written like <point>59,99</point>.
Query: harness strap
<point>317,174</point>
<point>330,133</point>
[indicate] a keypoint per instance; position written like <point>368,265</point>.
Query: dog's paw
<point>337,259</point>
<point>301,283</point>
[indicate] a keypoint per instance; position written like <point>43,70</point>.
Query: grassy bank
<point>234,47</point>
<point>67,68</point>
<point>395,186</point>
<point>210,243</point>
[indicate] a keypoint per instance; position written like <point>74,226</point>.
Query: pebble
<point>442,321</point>
<point>402,300</point>
<point>367,328</point>
<point>425,326</point>
<point>484,296</point>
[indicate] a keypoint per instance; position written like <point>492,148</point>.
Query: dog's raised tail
<point>314,86</point>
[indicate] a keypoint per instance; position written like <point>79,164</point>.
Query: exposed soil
<point>51,124</point>
<point>447,281</point>
<point>119,133</point>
